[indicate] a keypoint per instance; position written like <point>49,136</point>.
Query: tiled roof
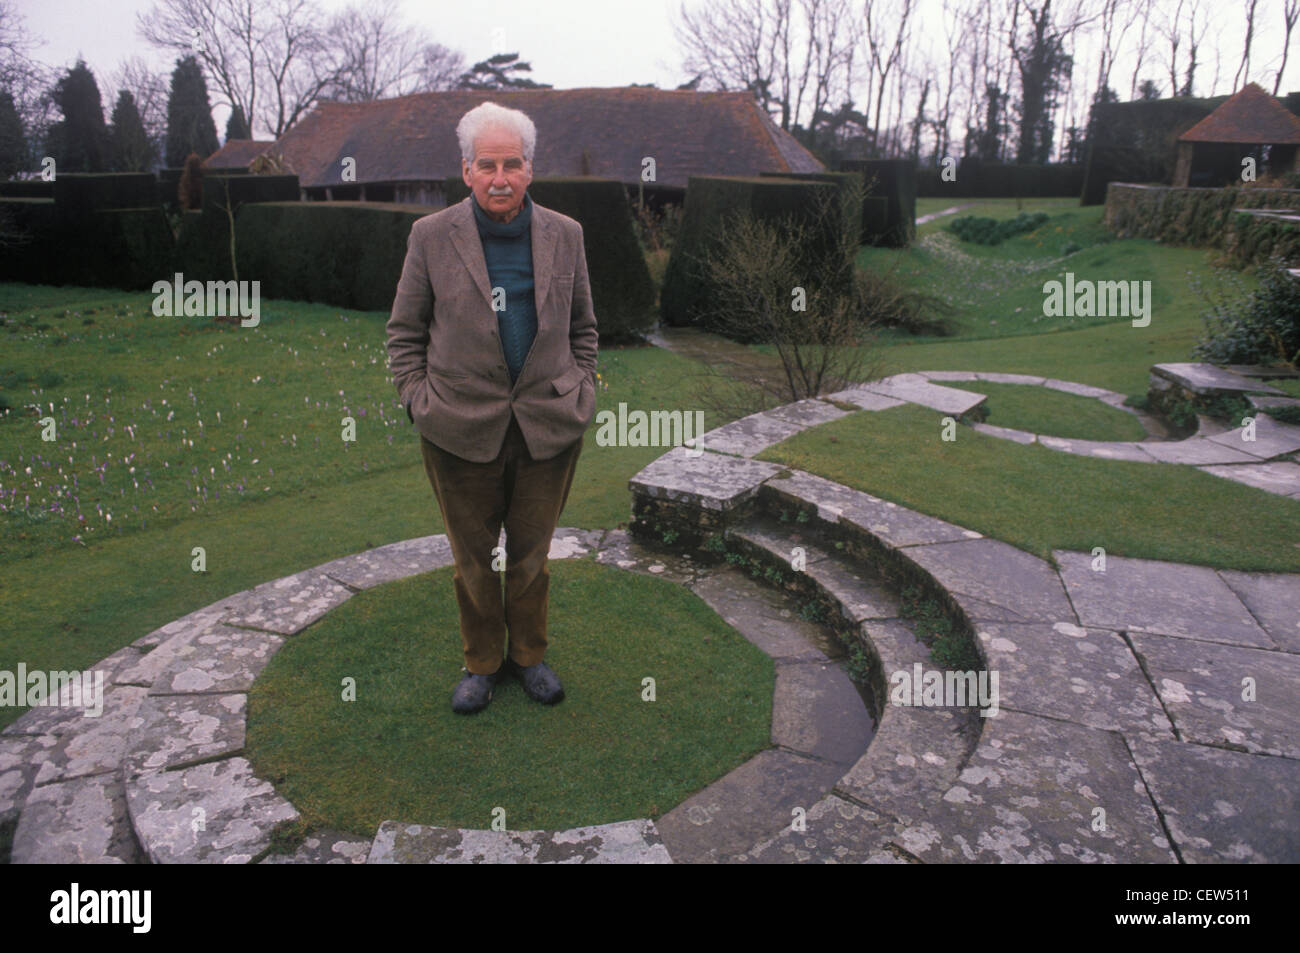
<point>1249,116</point>
<point>413,138</point>
<point>237,153</point>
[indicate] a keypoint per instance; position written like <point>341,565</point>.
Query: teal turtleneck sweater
<point>508,250</point>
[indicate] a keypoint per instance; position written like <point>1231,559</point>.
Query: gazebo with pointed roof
<point>1249,123</point>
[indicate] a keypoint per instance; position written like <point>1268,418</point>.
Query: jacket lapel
<point>542,231</point>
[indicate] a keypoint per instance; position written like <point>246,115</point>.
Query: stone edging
<point>1221,453</point>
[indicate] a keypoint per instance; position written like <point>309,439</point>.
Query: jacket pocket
<point>569,380</point>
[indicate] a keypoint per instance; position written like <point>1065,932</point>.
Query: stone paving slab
<point>806,413</point>
<point>287,605</point>
<point>817,711</point>
<point>893,525</point>
<point>569,543</point>
<point>195,621</point>
<point>1144,595</point>
<point>621,550</point>
<point>325,847</point>
<point>751,803</point>
<point>1029,795</point>
<point>865,399</point>
<point>1263,371</point>
<point>1195,451</point>
<point>778,540</point>
<point>1273,599</point>
<point>170,731</point>
<point>1272,438</point>
<point>835,831</point>
<point>221,659</point>
<point>21,756</point>
<point>708,480</point>
<point>799,488</point>
<point>73,713</point>
<point>159,655</point>
<point>1201,685</point>
<point>1082,390</point>
<point>760,615</point>
<point>373,567</point>
<point>894,644</point>
<point>750,435</point>
<point>950,375</point>
<point>917,390</point>
<point>999,378</point>
<point>80,821</point>
<point>1207,379</point>
<point>1006,433</point>
<point>915,757</point>
<point>1224,806</point>
<point>1100,449</point>
<point>1278,477</point>
<point>218,812</point>
<point>623,842</point>
<point>860,596</point>
<point>898,527</point>
<point>1087,676</point>
<point>994,581</point>
<point>1261,403</point>
<point>92,745</point>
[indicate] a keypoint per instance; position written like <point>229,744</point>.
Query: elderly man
<point>492,347</point>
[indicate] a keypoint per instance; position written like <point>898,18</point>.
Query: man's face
<point>499,175</point>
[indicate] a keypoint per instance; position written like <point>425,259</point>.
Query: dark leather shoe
<point>473,692</point>
<point>541,684</point>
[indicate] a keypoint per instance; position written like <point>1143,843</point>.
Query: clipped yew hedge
<point>976,179</point>
<point>347,254</point>
<point>710,203</point>
<point>895,181</point>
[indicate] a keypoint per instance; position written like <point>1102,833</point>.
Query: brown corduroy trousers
<point>525,495</point>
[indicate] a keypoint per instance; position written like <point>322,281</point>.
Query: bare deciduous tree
<point>753,45</point>
<point>272,58</point>
<point>1243,70</point>
<point>28,81</point>
<point>1290,12</point>
<point>887,31</point>
<point>377,56</point>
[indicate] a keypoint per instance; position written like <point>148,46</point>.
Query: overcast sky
<point>573,43</point>
<point>569,43</point>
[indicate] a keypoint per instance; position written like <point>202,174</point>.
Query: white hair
<point>489,115</point>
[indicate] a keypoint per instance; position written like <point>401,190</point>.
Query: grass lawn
<point>997,291</point>
<point>1047,411</point>
<point>266,489</point>
<point>1041,499</point>
<point>604,754</point>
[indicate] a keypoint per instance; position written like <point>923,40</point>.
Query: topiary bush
<point>1264,328</point>
<point>993,231</point>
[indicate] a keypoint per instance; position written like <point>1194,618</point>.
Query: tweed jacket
<point>444,350</point>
